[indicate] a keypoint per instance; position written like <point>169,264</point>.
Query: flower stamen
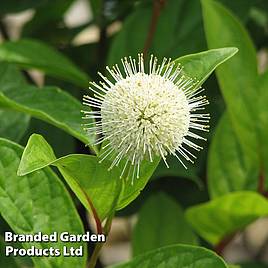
<point>142,115</point>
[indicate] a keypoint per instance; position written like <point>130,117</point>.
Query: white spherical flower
<point>142,115</point>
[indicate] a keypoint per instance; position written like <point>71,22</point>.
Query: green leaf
<point>201,65</point>
<point>237,77</point>
<point>160,212</point>
<point>228,168</point>
<point>90,180</point>
<point>48,103</point>
<point>263,121</point>
<point>226,214</point>
<point>37,202</point>
<point>176,256</point>
<point>43,150</point>
<point>13,124</point>
<point>35,54</point>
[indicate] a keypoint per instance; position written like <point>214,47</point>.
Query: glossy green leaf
<point>13,124</point>
<point>176,256</point>
<point>37,202</point>
<point>160,212</point>
<point>48,103</point>
<point>238,76</point>
<point>226,214</point>
<point>34,54</point>
<point>228,168</point>
<point>90,180</point>
<point>201,65</point>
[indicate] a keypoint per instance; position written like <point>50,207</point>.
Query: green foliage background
<point>49,179</point>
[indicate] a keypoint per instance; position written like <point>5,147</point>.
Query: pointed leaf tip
<point>37,154</point>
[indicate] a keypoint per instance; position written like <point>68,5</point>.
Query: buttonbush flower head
<point>141,115</point>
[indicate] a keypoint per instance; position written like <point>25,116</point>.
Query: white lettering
<point>22,252</point>
<point>8,237</point>
<point>93,238</point>
<point>101,238</point>
<point>9,249</point>
<point>78,252</point>
<point>64,237</point>
<point>53,237</point>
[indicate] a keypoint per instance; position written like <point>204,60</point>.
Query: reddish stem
<point>261,185</point>
<point>157,7</point>
<point>220,247</point>
<point>93,210</point>
<point>95,214</point>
